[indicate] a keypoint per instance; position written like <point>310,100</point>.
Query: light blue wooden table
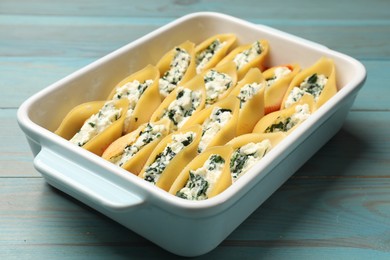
<point>337,206</point>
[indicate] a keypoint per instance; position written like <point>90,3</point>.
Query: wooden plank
<point>374,94</point>
<point>295,10</point>
<point>15,155</point>
<point>347,38</point>
<point>72,39</point>
<point>332,216</point>
<point>95,37</point>
<point>24,76</point>
<point>360,149</point>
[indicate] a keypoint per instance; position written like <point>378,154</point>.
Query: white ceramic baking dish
<point>187,228</point>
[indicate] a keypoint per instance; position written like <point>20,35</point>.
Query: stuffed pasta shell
<point>248,149</point>
<point>286,120</point>
<point>94,125</point>
<point>132,150</point>
<point>142,91</point>
<point>318,81</point>
<point>180,105</point>
<point>209,52</point>
<point>205,176</point>
<point>219,123</point>
<point>174,152</point>
<point>176,66</point>
<point>219,82</point>
<point>250,92</point>
<point>248,56</point>
<point>277,80</point>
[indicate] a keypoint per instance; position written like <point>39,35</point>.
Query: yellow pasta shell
<point>75,119</point>
<point>242,140</point>
<point>224,180</point>
<point>229,40</point>
<point>274,94</point>
<point>253,110</point>
<point>181,159</point>
<point>135,163</point>
<point>256,62</point>
<point>245,139</point>
<point>165,62</point>
<point>270,119</point>
<point>195,84</point>
<point>149,100</point>
<point>228,68</point>
<point>226,133</point>
<point>323,66</point>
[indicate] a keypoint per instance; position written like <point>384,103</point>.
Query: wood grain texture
<point>336,206</point>
<point>301,217</point>
<point>295,10</point>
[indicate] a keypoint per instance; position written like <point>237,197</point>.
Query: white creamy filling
<point>248,55</point>
<point>295,95</point>
<point>178,68</point>
<point>246,156</point>
<point>97,123</point>
<point>279,72</point>
<point>180,110</point>
<point>204,56</point>
<point>202,180</point>
<point>302,112</point>
<point>211,126</point>
<point>248,91</point>
<point>216,84</point>
<point>133,92</point>
<point>179,141</point>
<point>150,133</point>
<point>313,85</point>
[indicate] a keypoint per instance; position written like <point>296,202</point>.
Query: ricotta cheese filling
<point>204,56</point>
<point>248,55</point>
<point>133,92</point>
<point>216,84</point>
<point>248,91</point>
<point>97,123</point>
<point>202,180</point>
<point>179,142</point>
<point>185,104</point>
<point>246,156</point>
<point>279,72</point>
<point>211,126</point>
<point>150,133</point>
<point>313,85</point>
<point>178,68</point>
<point>302,112</point>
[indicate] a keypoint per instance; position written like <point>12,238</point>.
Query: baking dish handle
<point>82,183</point>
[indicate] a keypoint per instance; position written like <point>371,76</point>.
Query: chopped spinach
<point>211,49</point>
<point>197,182</point>
<point>180,94</point>
<point>188,140</point>
<point>238,161</point>
<point>312,79</point>
<point>222,110</point>
<point>161,161</point>
<point>281,126</point>
<point>215,159</point>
